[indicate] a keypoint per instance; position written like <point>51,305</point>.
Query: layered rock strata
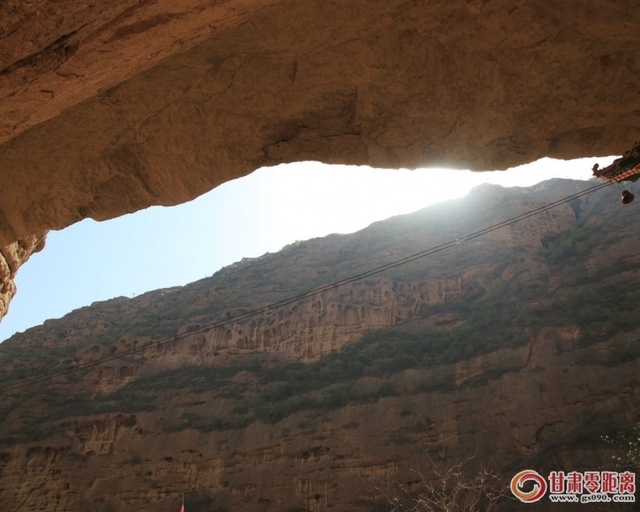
<point>12,257</point>
<point>540,358</point>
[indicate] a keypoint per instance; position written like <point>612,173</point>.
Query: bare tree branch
<point>449,487</point>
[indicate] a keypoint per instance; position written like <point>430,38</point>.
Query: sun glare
<point>311,199</point>
<point>162,247</point>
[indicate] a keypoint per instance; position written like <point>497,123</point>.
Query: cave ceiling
<point>110,106</point>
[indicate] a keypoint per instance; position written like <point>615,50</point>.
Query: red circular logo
<point>539,486</point>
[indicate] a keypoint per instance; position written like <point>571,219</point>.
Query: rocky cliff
<point>519,346</point>
<point>12,257</point>
<point>107,107</point>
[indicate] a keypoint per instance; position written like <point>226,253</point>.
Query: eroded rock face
<point>12,257</point>
<point>139,429</point>
<point>109,107</point>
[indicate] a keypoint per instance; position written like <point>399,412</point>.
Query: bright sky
<point>162,247</point>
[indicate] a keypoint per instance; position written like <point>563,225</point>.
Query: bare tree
<point>449,487</point>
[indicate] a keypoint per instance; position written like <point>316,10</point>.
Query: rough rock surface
<point>107,107</point>
<point>12,257</point>
<point>89,440</point>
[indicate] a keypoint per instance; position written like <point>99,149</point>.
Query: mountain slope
<point>496,346</point>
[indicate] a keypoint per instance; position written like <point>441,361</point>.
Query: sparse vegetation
<point>601,311</point>
<point>575,245</point>
<point>501,313</point>
<point>444,485</point>
<point>328,384</point>
<point>202,500</point>
<point>494,319</point>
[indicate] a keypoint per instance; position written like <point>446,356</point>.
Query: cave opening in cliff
<point>245,218</point>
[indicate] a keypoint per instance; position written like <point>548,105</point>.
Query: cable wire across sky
<point>159,343</point>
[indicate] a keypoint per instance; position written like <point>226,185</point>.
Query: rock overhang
<point>110,107</point>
